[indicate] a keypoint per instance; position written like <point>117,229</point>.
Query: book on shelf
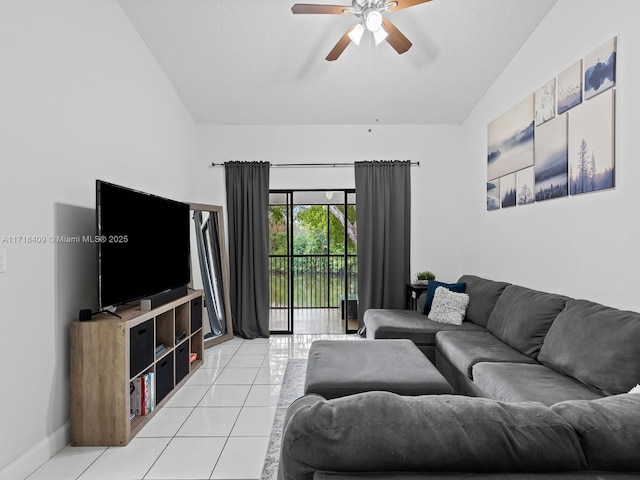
<point>160,349</point>
<point>143,394</point>
<point>137,396</point>
<point>152,391</point>
<point>192,357</point>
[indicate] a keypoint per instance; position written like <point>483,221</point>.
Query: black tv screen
<point>143,244</point>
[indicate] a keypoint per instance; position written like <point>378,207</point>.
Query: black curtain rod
<point>295,165</point>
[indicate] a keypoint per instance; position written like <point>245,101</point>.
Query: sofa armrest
<point>385,432</point>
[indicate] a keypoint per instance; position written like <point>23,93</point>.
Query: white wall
<point>583,246</point>
<point>81,98</point>
<point>433,200</point>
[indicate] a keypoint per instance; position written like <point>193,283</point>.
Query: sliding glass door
<point>313,261</point>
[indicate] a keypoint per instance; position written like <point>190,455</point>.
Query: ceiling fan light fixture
<point>356,33</point>
<point>373,20</point>
<point>380,35</point>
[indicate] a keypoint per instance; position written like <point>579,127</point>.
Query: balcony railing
<point>318,280</point>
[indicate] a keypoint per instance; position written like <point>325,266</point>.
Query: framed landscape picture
<point>546,102</point>
<point>600,69</point>
<point>510,140</point>
<point>591,145</point>
<point>551,168</point>
<point>525,186</point>
<point>493,194</point>
<point>569,89</point>
<point>508,190</point>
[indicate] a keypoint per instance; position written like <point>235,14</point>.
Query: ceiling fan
<point>369,15</point>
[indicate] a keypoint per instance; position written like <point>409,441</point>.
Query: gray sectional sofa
<point>553,373</point>
<point>519,344</point>
<point>387,436</point>
<point>414,325</point>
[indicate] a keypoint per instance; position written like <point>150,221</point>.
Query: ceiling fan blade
<point>322,9</point>
<point>405,4</point>
<point>340,46</point>
<point>396,38</point>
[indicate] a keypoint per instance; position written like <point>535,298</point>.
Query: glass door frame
<point>290,256</point>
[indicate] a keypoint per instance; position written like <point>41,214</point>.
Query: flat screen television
<point>143,244</point>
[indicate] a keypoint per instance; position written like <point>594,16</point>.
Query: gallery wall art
<point>510,139</point>
<point>558,141</point>
<point>591,146</point>
<point>493,195</point>
<point>525,186</point>
<point>551,168</point>
<point>546,102</point>
<point>600,69</point>
<point>570,87</point>
<point>508,195</point>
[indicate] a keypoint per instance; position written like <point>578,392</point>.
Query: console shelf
<point>108,353</point>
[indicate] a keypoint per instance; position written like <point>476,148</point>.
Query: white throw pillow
<point>448,306</point>
<point>635,389</point>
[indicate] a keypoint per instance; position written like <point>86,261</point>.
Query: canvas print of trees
<point>508,190</point>
<point>569,87</point>
<point>510,140</point>
<point>591,145</point>
<point>551,167</point>
<point>546,102</point>
<point>600,69</point>
<point>493,194</point>
<point>525,186</point>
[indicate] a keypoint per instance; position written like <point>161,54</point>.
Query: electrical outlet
<point>3,260</point>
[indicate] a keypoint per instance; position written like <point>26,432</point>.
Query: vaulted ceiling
<point>255,62</point>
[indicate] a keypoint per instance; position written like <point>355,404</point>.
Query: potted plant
<point>422,278</point>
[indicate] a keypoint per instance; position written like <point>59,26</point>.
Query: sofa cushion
<point>598,345</point>
<point>383,323</point>
<point>483,295</point>
<point>385,432</point>
<point>433,285</point>
<point>465,349</point>
<point>521,382</point>
<point>522,317</point>
<point>448,306</point>
<point>609,430</point>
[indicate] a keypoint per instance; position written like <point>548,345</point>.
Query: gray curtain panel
<point>248,211</point>
<point>383,214</point>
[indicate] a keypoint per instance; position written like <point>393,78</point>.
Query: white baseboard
<point>31,460</point>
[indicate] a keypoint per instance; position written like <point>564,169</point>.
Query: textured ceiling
<point>255,62</point>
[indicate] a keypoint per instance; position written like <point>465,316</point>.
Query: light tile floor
<point>310,320</point>
<point>217,426</point>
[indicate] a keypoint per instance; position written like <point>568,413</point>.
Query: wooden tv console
<point>108,353</point>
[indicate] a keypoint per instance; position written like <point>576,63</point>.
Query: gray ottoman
<point>337,368</point>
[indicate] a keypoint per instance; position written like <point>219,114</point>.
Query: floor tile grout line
<point>232,427</point>
<point>83,471</point>
<point>157,458</point>
<point>170,440</point>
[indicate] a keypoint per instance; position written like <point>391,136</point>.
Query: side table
<point>413,292</point>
